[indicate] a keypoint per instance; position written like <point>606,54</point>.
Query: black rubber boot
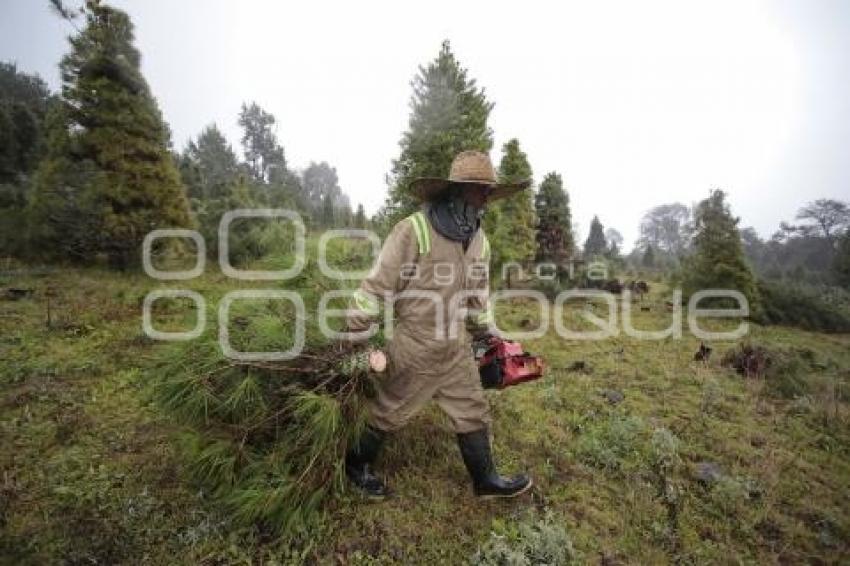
<point>486,482</point>
<point>359,460</point>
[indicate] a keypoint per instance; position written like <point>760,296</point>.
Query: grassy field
<point>642,456</point>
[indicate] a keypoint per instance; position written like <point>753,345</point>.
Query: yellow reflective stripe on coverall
<point>366,303</point>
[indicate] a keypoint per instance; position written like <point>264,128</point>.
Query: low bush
<point>808,307</point>
<point>613,443</point>
<point>532,541</point>
<point>788,372</point>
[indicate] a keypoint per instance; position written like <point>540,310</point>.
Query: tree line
<point>694,247</point>
<point>89,171</point>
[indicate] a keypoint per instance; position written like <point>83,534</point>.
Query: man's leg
<point>462,399</point>
<point>397,399</point>
<point>478,458</point>
<point>360,459</point>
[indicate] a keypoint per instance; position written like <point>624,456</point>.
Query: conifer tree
<point>718,260</point>
<point>263,153</point>
<point>509,222</point>
<point>209,165</point>
<point>109,177</point>
<point>272,183</point>
<point>328,212</point>
<point>360,218</point>
<point>554,222</point>
<point>615,243</point>
<point>648,259</point>
<point>344,216</point>
<point>24,103</point>
<point>841,262</point>
<point>448,115</point>
<point>595,245</point>
<point>215,183</point>
<point>326,202</point>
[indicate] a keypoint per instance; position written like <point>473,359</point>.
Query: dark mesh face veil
<point>453,217</point>
<point>465,215</point>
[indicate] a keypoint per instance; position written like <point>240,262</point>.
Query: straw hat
<point>468,168</point>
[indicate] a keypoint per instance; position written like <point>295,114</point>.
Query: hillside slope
<point>640,455</point>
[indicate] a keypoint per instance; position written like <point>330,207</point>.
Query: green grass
<point>91,472</point>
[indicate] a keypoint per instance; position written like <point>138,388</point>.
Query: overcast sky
<point>634,103</point>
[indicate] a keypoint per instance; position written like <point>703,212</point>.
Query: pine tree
<point>24,103</point>
<point>326,201</point>
<point>328,212</point>
<point>109,177</point>
<point>554,222</point>
<point>718,260</point>
<point>360,221</point>
<point>615,242</point>
<point>63,221</point>
<point>345,217</point>
<point>648,259</point>
<point>209,165</point>
<point>263,154</point>
<point>841,262</point>
<point>215,184</point>
<point>448,115</point>
<point>509,222</point>
<point>595,245</point>
<point>272,183</point>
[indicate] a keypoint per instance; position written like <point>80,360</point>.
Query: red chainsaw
<point>502,363</point>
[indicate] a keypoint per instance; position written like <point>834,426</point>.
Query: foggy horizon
<point>656,105</point>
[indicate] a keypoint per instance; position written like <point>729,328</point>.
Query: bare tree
<point>827,218</point>
<point>665,228</point>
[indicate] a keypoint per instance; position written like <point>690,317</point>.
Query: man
<point>431,270</point>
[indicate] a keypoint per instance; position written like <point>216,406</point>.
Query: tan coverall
<point>436,290</point>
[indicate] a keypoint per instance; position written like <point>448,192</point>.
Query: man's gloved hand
<point>487,337</point>
<point>483,341</point>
